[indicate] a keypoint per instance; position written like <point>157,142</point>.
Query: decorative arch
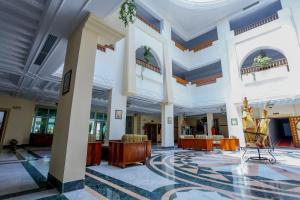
<point>154,61</point>
<point>278,59</point>
<point>256,51</point>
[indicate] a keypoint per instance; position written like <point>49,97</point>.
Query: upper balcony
<point>275,67</point>
<point>147,18</point>
<point>254,18</point>
<point>199,77</point>
<point>197,44</point>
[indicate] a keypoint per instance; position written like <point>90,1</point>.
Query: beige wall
<point>21,112</point>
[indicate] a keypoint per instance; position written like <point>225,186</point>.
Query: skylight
<point>200,2</point>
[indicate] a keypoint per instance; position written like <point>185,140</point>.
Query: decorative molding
<point>106,34</point>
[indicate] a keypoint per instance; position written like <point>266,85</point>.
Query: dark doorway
<point>3,121</point>
<point>152,130</point>
<point>280,132</point>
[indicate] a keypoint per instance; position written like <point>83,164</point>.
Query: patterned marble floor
<point>169,174</point>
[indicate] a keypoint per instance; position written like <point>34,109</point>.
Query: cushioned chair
<point>217,139</point>
<point>131,149</point>
<point>200,142</point>
<point>183,137</point>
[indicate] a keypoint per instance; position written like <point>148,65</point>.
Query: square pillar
<point>130,62</point>
<point>69,147</point>
<point>210,122</point>
<point>167,125</point>
<point>180,123</point>
<point>116,114</point>
<point>234,121</point>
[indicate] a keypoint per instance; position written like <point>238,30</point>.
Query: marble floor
<point>168,174</point>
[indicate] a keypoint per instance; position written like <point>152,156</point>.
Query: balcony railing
<point>148,65</point>
<point>198,47</point>
<point>274,64</point>
<point>207,80</point>
<point>203,45</point>
<point>148,23</point>
<point>256,24</point>
<point>104,47</point>
<point>181,80</point>
<point>180,46</point>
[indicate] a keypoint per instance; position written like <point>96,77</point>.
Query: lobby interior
<point>149,99</point>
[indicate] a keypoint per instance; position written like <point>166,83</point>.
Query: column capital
<point>106,34</point>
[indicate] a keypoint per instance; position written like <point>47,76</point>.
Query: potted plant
<point>127,12</point>
<point>147,57</point>
<point>260,61</point>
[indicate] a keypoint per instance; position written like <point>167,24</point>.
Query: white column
<point>180,122</point>
<point>130,63</point>
<point>69,148</point>
<point>117,105</point>
<point>210,122</point>
<point>167,71</point>
<point>234,121</point>
<point>167,125</point>
<point>233,86</point>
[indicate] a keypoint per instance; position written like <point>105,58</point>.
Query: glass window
<point>42,112</point>
<point>44,120</point>
<point>91,126</point>
<point>99,116</point>
<point>51,123</point>
<point>92,115</point>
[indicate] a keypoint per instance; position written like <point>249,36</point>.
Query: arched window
<point>263,59</point>
<point>152,64</point>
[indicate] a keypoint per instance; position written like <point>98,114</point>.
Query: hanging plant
<point>147,57</point>
<point>127,12</point>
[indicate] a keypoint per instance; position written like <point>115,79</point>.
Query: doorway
<point>280,132</point>
<point>152,131</point>
<point>3,122</point>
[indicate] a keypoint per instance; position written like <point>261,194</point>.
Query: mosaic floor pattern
<point>168,174</point>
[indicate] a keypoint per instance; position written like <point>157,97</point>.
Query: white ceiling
<point>190,20</point>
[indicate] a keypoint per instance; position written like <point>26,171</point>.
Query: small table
<point>229,144</point>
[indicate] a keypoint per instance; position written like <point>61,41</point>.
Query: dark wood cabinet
<point>122,154</point>
<point>40,140</point>
<point>94,150</point>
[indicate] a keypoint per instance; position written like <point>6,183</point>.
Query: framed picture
<point>234,121</point>
<point>169,120</point>
<point>66,82</point>
<point>118,114</point>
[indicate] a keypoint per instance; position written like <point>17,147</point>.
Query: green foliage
<point>261,61</point>
<point>147,54</point>
<point>127,12</point>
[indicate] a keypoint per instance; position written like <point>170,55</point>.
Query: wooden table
<point>197,144</point>
<point>229,144</point>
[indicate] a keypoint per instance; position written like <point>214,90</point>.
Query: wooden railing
<point>104,47</point>
<point>148,23</point>
<point>256,24</point>
<point>148,65</point>
<point>203,45</point>
<point>273,64</point>
<point>181,80</point>
<point>198,47</point>
<point>207,80</point>
<point>180,46</point>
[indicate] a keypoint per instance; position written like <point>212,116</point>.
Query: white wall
<point>20,117</point>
